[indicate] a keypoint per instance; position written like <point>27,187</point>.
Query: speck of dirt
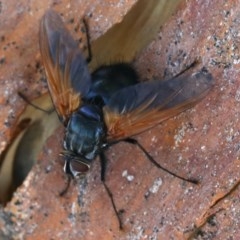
<point>2,60</point>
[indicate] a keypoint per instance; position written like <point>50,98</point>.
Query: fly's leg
<point>89,58</point>
<point>103,169</point>
<point>151,159</point>
<point>34,105</point>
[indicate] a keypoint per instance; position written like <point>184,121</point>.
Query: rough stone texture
<point>202,143</point>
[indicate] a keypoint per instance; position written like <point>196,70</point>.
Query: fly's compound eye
<point>78,168</point>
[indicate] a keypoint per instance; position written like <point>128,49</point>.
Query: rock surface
<point>201,143</point>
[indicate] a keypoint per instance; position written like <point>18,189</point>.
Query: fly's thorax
<point>85,133</point>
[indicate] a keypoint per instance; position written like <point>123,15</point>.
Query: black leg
<point>192,65</point>
<point>64,191</point>
<point>150,158</point>
<point>33,105</point>
<point>103,168</point>
<point>89,58</point>
<point>103,160</point>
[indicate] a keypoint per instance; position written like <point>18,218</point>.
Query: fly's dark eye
<point>78,168</point>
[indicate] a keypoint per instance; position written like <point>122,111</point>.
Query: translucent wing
<point>66,69</point>
<point>139,107</point>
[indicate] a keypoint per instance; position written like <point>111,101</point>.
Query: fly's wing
<point>139,107</point>
<point>66,69</point>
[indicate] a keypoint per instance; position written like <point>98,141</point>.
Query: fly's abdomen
<point>106,80</point>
